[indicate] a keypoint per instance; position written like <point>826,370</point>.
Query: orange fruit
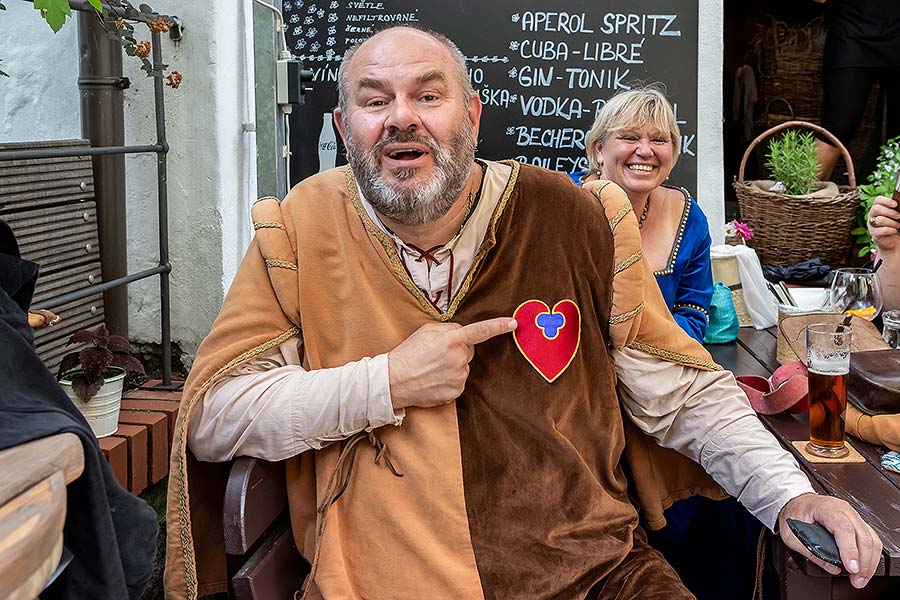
<point>865,313</point>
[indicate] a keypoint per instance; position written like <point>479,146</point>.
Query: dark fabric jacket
<point>110,532</point>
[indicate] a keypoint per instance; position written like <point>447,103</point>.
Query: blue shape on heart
<point>550,323</point>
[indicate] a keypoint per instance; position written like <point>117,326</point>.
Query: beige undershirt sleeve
<point>705,416</point>
<point>271,408</point>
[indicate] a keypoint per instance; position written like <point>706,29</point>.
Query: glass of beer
<point>828,359</point>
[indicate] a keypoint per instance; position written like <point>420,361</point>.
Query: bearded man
<point>436,447</point>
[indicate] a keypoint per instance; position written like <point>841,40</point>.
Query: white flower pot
<point>101,411</point>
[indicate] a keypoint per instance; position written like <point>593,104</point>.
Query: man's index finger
<point>475,333</point>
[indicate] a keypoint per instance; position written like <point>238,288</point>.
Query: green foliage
<point>55,12</point>
<point>118,25</point>
<point>792,161</point>
<point>879,183</point>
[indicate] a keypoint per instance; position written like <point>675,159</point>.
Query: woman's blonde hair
<point>632,108</point>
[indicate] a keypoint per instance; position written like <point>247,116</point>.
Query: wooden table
<point>871,489</point>
<point>33,511</point>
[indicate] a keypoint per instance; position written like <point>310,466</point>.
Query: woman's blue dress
<point>686,280</point>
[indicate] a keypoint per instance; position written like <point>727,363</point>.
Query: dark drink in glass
<point>827,408</point>
<point>828,361</point>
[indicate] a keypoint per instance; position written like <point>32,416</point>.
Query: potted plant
<point>93,377</point>
<point>793,164</point>
<point>795,217</point>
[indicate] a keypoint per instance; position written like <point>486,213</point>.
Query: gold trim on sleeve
<point>268,225</point>
<point>617,218</point>
<point>281,264</point>
<point>628,262</point>
<point>676,357</point>
<point>626,316</point>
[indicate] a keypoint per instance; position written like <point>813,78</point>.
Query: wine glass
<point>856,292</point>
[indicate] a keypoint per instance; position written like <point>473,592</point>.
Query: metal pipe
<point>85,6</point>
<point>101,287</point>
<point>103,123</point>
<point>80,151</point>
<point>163,199</point>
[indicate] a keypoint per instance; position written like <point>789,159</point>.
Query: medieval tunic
<point>515,490</point>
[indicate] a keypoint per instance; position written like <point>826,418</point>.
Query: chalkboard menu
<point>542,69</point>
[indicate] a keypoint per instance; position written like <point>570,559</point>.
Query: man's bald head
<point>455,58</point>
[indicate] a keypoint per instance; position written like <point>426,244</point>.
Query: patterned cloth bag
<point>723,319</point>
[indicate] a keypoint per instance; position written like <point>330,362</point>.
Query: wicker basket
<point>789,229</point>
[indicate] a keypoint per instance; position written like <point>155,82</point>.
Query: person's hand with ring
<point>884,224</point>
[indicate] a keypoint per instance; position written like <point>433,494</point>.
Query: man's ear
<point>474,111</point>
<point>339,123</point>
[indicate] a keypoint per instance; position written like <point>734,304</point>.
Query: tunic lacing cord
<point>760,564</point>
<point>337,485</point>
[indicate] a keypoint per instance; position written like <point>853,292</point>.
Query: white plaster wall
<point>208,170</point>
<point>39,100</point>
<point>710,144</point>
<point>211,180</point>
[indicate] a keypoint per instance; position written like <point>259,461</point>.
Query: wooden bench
<point>49,204</point>
<point>33,511</point>
<point>263,562</point>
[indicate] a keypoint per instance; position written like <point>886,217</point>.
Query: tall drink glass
<point>828,358</point>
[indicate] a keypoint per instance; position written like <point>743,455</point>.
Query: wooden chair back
<point>263,561</point>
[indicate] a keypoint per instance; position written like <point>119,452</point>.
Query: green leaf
<point>55,12</point>
<point>859,231</point>
<point>97,4</point>
<point>792,161</point>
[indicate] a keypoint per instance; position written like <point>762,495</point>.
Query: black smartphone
<point>817,540</point>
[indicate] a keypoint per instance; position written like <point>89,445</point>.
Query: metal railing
<point>161,149</point>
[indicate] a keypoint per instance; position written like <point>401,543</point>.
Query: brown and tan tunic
<point>515,490</point>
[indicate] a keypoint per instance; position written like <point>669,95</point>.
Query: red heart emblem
<point>548,339</point>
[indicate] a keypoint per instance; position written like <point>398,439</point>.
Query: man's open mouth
<point>405,154</point>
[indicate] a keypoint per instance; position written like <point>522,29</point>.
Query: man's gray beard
<point>431,199</point>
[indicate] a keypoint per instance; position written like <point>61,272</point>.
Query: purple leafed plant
<point>92,363</point>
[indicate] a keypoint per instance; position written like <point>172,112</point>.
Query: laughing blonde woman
<point>634,143</point>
